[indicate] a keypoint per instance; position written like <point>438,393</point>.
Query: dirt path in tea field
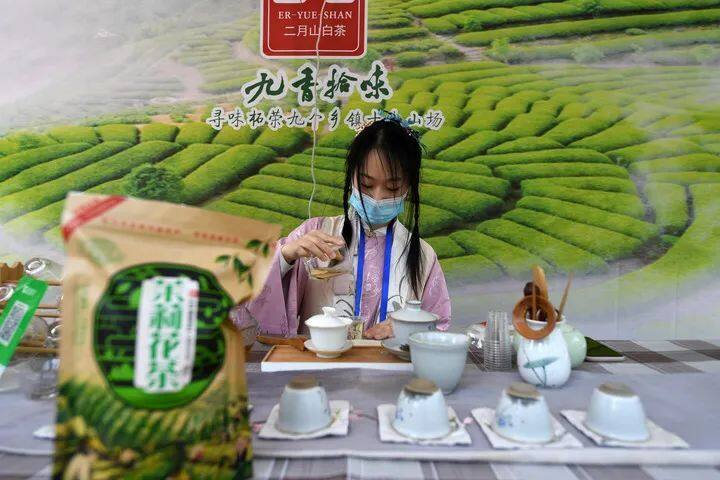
<point>472,54</point>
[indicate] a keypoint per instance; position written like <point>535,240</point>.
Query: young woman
<point>390,263</point>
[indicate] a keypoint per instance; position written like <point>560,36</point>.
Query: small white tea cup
<point>522,415</point>
<point>421,411</point>
<point>616,412</point>
<point>304,406</point>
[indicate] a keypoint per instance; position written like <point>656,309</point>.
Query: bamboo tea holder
<point>520,317</point>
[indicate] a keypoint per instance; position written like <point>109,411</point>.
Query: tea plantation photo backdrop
<point>580,135</point>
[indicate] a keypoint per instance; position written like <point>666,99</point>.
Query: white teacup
<point>440,357</point>
<point>421,411</point>
<point>522,415</point>
<point>328,332</point>
<point>616,412</point>
<point>304,406</point>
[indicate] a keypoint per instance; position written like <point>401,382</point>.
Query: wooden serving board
<point>283,358</point>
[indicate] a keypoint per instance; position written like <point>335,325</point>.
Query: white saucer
<point>659,437</point>
<point>454,427</point>
<point>458,434</point>
<point>328,353</point>
<point>561,437</point>
<point>393,346</point>
<point>338,426</point>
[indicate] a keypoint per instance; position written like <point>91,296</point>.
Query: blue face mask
<point>376,212</point>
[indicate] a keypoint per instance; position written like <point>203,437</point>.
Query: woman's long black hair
<point>401,153</point>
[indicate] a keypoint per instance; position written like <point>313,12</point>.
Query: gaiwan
<point>152,373</point>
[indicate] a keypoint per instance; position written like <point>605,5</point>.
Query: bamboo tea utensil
<point>11,273</point>
<point>37,350</point>
<point>296,342</point>
<point>565,296</point>
<point>520,317</point>
<point>533,313</point>
<point>540,281</point>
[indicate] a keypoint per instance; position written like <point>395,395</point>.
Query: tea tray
<point>369,355</point>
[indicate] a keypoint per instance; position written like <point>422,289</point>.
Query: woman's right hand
<point>315,243</point>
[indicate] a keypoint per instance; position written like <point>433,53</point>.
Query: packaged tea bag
<point>152,371</point>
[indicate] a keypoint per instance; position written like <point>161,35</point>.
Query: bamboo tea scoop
<point>565,295</point>
<point>540,281</point>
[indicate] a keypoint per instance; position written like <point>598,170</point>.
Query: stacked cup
<point>497,345</point>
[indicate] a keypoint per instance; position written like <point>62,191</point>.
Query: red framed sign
<point>290,28</point>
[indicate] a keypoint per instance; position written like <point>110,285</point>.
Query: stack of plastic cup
<point>497,344</point>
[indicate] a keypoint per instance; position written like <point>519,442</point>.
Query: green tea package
<point>152,371</point>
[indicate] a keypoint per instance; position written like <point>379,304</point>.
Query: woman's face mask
<point>376,212</point>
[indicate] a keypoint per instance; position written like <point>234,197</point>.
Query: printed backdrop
<point>580,135</point>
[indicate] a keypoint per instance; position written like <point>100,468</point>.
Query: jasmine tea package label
<point>166,333</point>
<point>152,371</point>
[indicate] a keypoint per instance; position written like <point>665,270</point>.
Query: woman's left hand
<point>380,331</point>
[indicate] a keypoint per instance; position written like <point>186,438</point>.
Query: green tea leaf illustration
<point>539,363</point>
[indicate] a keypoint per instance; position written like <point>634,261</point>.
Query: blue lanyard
<point>386,271</point>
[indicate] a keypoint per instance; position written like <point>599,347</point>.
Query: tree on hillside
<point>154,183</point>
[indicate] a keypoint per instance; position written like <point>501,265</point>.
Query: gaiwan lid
<point>327,319</point>
<point>413,313</point>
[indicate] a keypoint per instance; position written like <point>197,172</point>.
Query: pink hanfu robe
<point>290,295</point>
